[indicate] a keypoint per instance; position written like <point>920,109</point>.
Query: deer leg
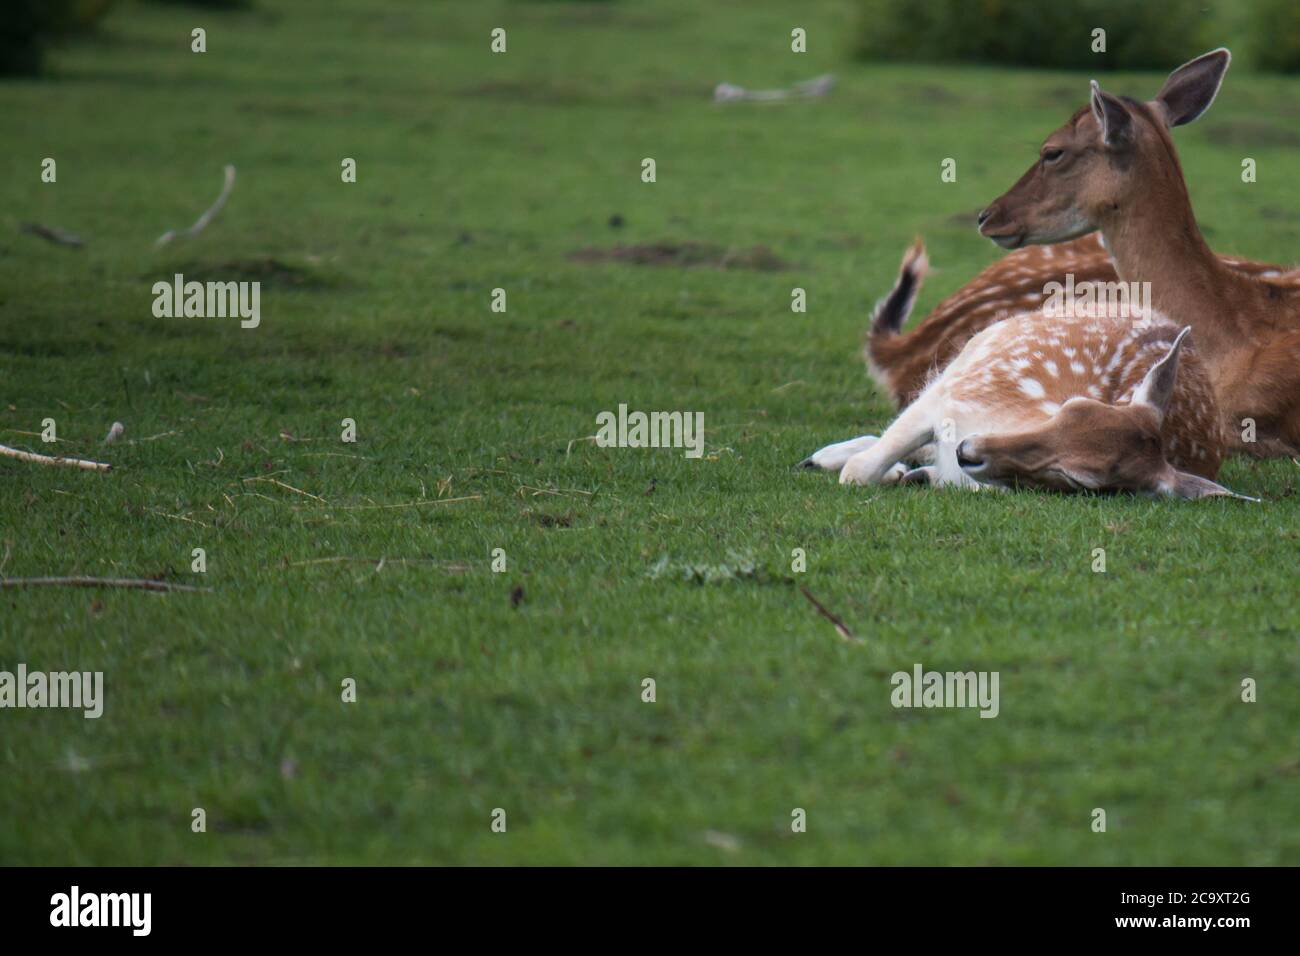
<point>910,431</point>
<point>833,457</point>
<point>1290,440</point>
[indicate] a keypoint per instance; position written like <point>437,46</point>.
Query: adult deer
<point>1091,400</point>
<point>1113,168</point>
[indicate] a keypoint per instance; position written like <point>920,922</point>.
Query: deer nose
<point>964,457</point>
<point>984,216</point>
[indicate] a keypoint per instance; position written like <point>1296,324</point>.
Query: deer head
<point>1089,445</point>
<point>1090,170</point>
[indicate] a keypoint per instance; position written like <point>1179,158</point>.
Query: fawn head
<point>1110,152</point>
<point>1093,446</point>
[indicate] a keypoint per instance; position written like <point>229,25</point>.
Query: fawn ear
<point>1157,388</point>
<point>1113,116</point>
<point>1182,484</point>
<point>1190,89</point>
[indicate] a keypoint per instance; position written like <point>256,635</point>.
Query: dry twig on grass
<point>57,236</point>
<point>808,89</point>
<point>77,581</point>
<point>202,222</point>
<point>31,456</point>
<point>840,626</point>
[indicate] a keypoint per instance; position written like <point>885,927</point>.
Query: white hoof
<point>834,457</point>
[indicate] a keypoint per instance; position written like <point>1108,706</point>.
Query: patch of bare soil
<point>268,271</point>
<point>685,255</point>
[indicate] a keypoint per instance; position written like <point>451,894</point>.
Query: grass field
<point>522,690</point>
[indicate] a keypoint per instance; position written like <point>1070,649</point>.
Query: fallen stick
<point>202,222</point>
<point>54,235</point>
<point>31,456</point>
<point>817,86</point>
<point>840,627</point>
<point>143,584</point>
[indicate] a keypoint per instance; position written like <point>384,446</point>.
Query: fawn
<point>1113,168</point>
<point>1092,400</point>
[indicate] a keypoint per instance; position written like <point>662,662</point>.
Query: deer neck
<point>1156,240</point>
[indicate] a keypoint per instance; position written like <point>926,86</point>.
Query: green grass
<point>1118,690</point>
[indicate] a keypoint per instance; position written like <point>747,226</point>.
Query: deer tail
<point>883,351</point>
<point>892,311</point>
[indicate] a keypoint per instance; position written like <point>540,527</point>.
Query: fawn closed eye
<point>1069,479</point>
<point>1052,155</point>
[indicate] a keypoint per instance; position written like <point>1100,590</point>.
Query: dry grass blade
<point>408,504</point>
<point>276,481</point>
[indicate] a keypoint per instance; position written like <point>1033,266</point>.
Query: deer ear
<point>1112,115</point>
<point>1157,388</point>
<point>1190,89</point>
<point>1182,484</point>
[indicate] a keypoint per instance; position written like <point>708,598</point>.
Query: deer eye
<point>1052,155</point>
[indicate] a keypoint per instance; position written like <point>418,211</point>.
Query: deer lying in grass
<point>1113,168</point>
<point>1127,183</point>
<point>902,363</point>
<point>1091,400</point>
<point>1015,285</point>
